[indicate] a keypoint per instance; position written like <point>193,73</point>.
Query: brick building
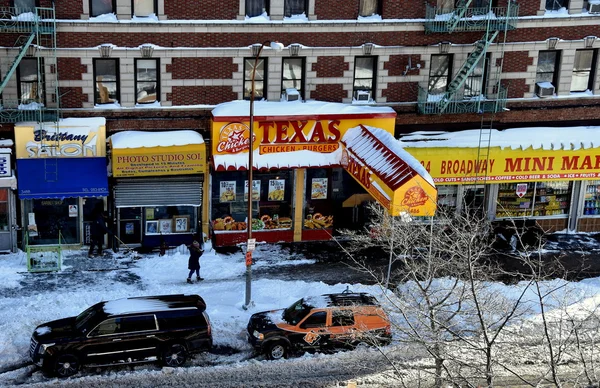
<point>158,65</point>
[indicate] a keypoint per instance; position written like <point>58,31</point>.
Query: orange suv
<point>321,323</point>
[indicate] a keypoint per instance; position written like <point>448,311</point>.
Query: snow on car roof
<point>141,305</point>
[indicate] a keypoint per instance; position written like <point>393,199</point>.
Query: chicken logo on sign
<point>234,138</point>
<point>415,196</point>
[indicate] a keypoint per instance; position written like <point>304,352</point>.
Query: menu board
<point>318,189</point>
<point>227,191</point>
<point>276,189</point>
<point>255,190</point>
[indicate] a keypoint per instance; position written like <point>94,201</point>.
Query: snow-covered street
<point>29,299</point>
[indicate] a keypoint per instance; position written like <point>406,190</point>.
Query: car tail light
<point>209,328</point>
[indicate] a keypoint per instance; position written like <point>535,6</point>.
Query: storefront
<point>8,188</point>
<point>546,174</point>
<point>158,186</point>
<point>303,156</point>
<point>61,175</point>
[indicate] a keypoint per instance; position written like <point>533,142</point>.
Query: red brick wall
<point>336,9</point>
<point>398,63</point>
<point>192,95</point>
<point>517,88</point>
<point>72,97</point>
<point>202,68</point>
<point>69,9</point>
<point>202,10</point>
<point>528,8</point>
<point>401,91</point>
<point>331,92</point>
<point>403,9</point>
<point>330,67</point>
<point>516,61</point>
<point>70,69</point>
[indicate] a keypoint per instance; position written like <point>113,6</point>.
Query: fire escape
<point>487,95</point>
<point>26,90</point>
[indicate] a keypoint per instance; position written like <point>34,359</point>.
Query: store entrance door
<point>130,225</point>
<point>474,200</point>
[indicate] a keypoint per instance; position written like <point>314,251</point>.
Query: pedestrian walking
<point>97,231</point>
<point>194,261</point>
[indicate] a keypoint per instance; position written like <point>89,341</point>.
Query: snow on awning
<point>281,160</point>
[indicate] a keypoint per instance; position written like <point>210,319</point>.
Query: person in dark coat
<point>194,261</point>
<point>97,231</point>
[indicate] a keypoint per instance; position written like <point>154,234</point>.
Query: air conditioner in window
<point>361,97</point>
<point>594,7</point>
<point>291,94</point>
<point>544,89</point>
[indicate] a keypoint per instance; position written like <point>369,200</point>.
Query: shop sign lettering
<point>459,166</point>
<point>234,138</point>
<point>287,136</point>
<point>414,196</point>
<point>47,144</point>
<point>359,171</point>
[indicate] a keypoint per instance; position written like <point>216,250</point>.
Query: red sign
<point>248,258</point>
<point>521,189</point>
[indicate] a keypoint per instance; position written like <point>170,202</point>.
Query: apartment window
<point>260,78</point>
<point>101,7</point>
<point>146,81</point>
<point>144,8</point>
<point>439,73</point>
<point>368,8</point>
<point>23,6</point>
<point>106,74</point>
<point>547,68</point>
<point>583,73</point>
<point>256,7</point>
<point>364,75</point>
<point>295,7</point>
<point>476,82</point>
<point>555,5</point>
<point>30,81</point>
<point>293,75</point>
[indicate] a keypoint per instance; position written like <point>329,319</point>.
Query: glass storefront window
<point>45,218</point>
<point>447,198</point>
<point>319,205</point>
<point>271,206</point>
<point>533,199</point>
<point>4,209</point>
<point>169,219</point>
<point>591,205</point>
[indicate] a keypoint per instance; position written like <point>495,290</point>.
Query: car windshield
<point>83,318</point>
<point>296,312</point>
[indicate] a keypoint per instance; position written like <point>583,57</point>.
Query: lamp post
<point>256,50</point>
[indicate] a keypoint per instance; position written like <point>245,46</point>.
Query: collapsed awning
<point>62,177</point>
<point>391,175</point>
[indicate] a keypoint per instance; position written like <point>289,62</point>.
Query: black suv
<point>131,330</point>
<point>321,323</point>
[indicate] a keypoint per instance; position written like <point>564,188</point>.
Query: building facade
<point>157,65</point>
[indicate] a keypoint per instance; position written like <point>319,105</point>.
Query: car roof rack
<point>353,299</point>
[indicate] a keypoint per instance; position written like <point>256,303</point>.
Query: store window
<point>47,218</point>
<point>30,81</point>
<point>364,75</point>
<point>439,74</point>
<point>368,8</point>
<point>591,205</point>
<point>293,75</point>
<point>547,68</point>
<point>101,7</point>
<point>271,206</point>
<point>256,7</point>
<point>555,5</point>
<point>4,210</point>
<point>319,205</point>
<point>106,74</point>
<point>295,7</point>
<point>163,220</point>
<point>260,81</point>
<point>582,78</point>
<point>533,199</point>
<point>447,199</point>
<point>146,81</point>
<point>144,8</point>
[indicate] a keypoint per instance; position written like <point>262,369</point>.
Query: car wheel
<point>175,356</point>
<point>277,351</point>
<point>66,365</point>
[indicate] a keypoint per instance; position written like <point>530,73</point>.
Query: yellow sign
<point>152,161</point>
<point>416,196</point>
<point>288,134</point>
<point>71,138</point>
<point>450,166</point>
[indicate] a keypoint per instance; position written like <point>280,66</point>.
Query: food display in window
<point>228,223</point>
<point>318,221</point>
<point>540,199</point>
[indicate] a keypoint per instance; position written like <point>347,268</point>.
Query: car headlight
<point>44,347</point>
<point>258,335</point>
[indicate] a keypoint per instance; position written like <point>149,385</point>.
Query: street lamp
<point>256,50</point>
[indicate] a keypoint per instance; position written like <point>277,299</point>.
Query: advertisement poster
<point>276,189</point>
<point>227,191</point>
<point>318,188</point>
<point>255,190</point>
<point>149,213</point>
<point>129,229</point>
<point>31,226</point>
<point>73,211</point>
